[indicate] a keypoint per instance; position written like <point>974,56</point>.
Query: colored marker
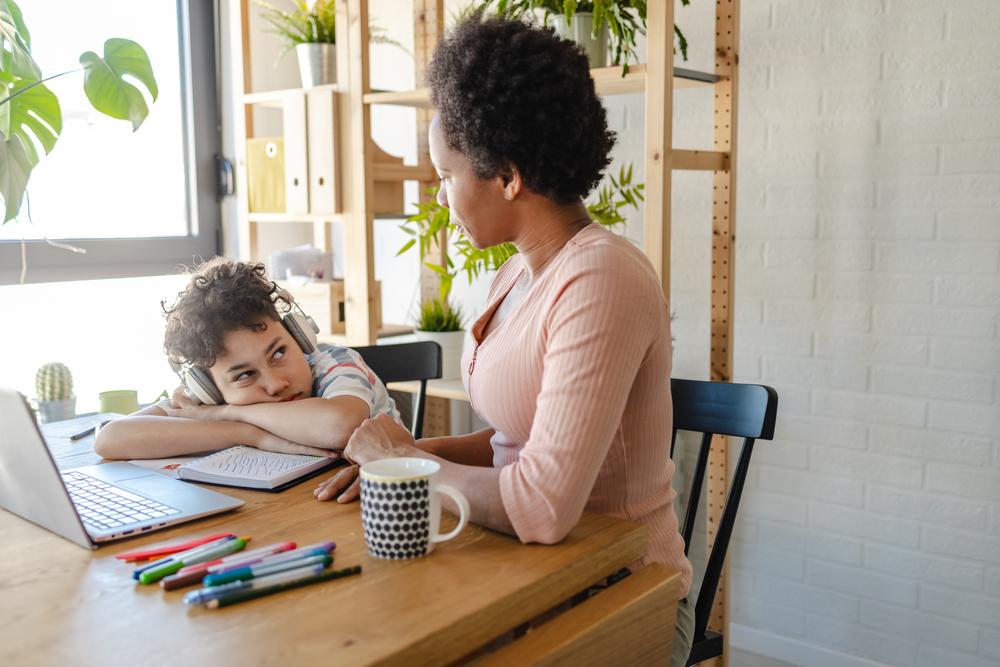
<point>263,570</point>
<point>193,574</point>
<point>183,554</point>
<point>203,595</point>
<point>236,597</point>
<point>147,554</point>
<point>157,573</point>
<point>304,552</point>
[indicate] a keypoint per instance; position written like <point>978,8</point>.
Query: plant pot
<point>452,343</point>
<point>581,31</point>
<point>54,411</point>
<point>317,63</point>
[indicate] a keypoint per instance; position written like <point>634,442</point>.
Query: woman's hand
<point>380,438</point>
<point>345,486</point>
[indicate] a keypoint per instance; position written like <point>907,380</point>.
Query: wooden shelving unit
<point>656,79</point>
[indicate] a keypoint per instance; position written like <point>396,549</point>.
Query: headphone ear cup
<point>302,330</point>
<point>200,384</point>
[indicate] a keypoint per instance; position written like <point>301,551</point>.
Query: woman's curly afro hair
<point>510,94</point>
<point>222,296</point>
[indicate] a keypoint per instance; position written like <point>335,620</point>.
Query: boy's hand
<point>191,410</point>
<point>348,479</point>
<point>270,442</point>
<point>180,398</point>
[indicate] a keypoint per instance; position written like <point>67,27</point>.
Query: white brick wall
<point>868,278</point>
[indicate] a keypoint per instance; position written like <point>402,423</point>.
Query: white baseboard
<point>794,651</point>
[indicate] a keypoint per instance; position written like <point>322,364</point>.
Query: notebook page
<point>249,463</point>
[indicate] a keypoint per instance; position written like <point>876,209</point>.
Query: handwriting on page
<point>253,464</point>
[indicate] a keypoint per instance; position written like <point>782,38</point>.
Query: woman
<point>571,358</point>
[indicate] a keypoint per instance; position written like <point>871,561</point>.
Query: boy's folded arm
<point>326,423</point>
<point>150,436</point>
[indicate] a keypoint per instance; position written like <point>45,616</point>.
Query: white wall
<point>869,296</point>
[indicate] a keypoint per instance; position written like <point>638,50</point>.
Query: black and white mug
<point>401,507</point>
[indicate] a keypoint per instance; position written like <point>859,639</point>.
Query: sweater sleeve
<point>598,330</point>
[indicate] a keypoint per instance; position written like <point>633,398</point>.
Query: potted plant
<point>590,23</point>
<point>311,31</point>
<point>30,115</point>
<point>440,322</point>
<point>54,391</point>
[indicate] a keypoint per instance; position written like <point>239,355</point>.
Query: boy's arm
<point>326,423</point>
<point>149,435</point>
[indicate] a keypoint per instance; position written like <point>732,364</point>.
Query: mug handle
<point>463,512</point>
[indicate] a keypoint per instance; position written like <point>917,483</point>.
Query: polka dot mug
<point>401,507</point>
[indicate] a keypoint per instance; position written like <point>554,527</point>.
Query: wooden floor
<point>745,659</point>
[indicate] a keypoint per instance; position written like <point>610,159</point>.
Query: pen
<point>304,552</point>
<point>203,595</point>
<point>157,573</point>
<point>193,574</point>
<point>262,570</point>
<point>87,431</point>
<point>236,597</point>
<point>181,554</point>
<point>170,549</point>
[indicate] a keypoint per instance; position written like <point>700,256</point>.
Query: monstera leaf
<point>31,115</point>
<point>108,91</point>
<point>29,112</point>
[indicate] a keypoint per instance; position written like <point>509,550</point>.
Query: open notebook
<point>254,469</point>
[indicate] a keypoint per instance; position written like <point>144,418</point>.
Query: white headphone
<point>198,382</point>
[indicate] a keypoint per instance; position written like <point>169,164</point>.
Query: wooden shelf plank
<point>608,81</point>
<point>294,217</point>
<point>700,160</point>
<point>273,98</point>
<point>403,172</point>
<point>450,389</point>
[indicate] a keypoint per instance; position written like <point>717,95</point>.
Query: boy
<point>276,396</point>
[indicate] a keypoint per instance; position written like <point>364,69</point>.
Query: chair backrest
<point>406,362</point>
<point>718,408</point>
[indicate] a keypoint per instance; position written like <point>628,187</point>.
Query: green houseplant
<point>441,322</point>
<point>617,21</point>
<point>30,115</point>
<point>312,32</point>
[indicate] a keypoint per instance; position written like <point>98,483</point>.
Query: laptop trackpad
<point>158,487</point>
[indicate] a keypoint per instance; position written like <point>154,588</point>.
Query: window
<point>139,204</point>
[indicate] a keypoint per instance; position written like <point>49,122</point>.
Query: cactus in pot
<point>54,389</point>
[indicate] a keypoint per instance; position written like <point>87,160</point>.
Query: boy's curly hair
<point>222,296</point>
<point>509,94</point>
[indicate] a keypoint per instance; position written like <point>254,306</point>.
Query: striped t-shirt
<point>340,371</point>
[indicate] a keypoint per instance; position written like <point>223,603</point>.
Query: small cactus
<point>54,382</point>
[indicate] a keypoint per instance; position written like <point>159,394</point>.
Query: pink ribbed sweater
<point>576,382</point>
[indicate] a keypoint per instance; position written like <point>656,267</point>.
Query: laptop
<point>93,504</point>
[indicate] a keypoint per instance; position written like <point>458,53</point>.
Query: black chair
<point>406,362</point>
<point>719,408</point>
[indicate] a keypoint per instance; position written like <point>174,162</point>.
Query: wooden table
<point>63,604</point>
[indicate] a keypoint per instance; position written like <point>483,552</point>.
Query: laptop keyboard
<point>102,505</point>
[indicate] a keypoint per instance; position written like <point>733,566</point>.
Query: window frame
<point>131,257</point>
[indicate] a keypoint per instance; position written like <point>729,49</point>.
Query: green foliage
<point>54,382</point>
<point>30,115</point>
<point>439,315</point>
<point>432,220</point>
<point>625,20</point>
<point>303,24</point>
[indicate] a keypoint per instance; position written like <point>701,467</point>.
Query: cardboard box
<point>324,302</point>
